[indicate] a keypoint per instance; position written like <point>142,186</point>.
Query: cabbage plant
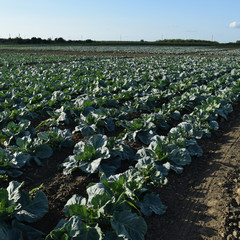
<point>17,209</point>
<point>35,148</point>
<point>139,130</point>
<point>10,164</point>
<point>112,211</point>
<point>87,155</point>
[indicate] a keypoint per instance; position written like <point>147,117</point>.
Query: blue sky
<point>150,20</point>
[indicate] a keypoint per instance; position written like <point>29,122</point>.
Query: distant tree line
<point>165,42</point>
<point>187,42</point>
<point>38,40</point>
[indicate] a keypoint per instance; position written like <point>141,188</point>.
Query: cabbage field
<point>128,49</point>
<point>123,122</point>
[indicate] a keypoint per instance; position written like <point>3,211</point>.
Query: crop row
<point>131,49</point>
<point>143,113</point>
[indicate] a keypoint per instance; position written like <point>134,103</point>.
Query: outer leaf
<point>98,141</point>
<point>20,159</point>
<point>110,125</point>
<point>37,161</point>
<point>99,198</point>
<point>12,173</point>
<point>18,231</point>
<point>155,171</point>
<point>90,233</point>
<point>90,167</point>
<point>109,166</point>
<point>152,203</point>
<point>32,210</point>
<point>94,190</point>
<point>112,103</point>
<point>176,115</point>
<point>24,141</point>
<point>214,125</point>
<point>180,156</point>
<point>111,236</point>
<point>69,164</point>
<point>88,130</point>
<point>13,191</point>
<point>193,148</point>
<point>63,117</point>
<point>73,226</point>
<point>6,208</point>
<point>87,110</point>
<point>79,148</point>
<point>75,206</point>
<point>5,231</point>
<point>85,129</point>
<point>176,169</point>
<point>58,234</point>
<point>127,153</point>
<point>187,127</point>
<point>129,225</point>
<point>31,232</point>
<point>43,151</point>
<point>11,234</point>
<point>145,136</point>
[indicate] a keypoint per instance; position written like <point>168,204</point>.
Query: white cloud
<point>234,25</point>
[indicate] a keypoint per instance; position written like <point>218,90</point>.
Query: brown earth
<point>204,201</point>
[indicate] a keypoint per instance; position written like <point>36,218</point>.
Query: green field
<point>121,123</point>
